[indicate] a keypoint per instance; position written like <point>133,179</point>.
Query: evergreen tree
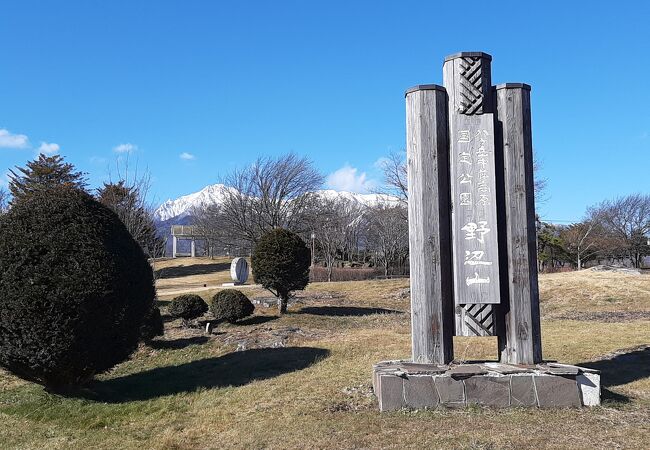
<point>75,288</point>
<point>281,263</point>
<point>45,171</point>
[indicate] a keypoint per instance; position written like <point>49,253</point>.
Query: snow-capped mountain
<point>364,199</point>
<point>182,207</point>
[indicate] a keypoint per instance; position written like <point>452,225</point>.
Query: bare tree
<point>395,175</point>
<point>333,221</point>
<point>582,241</point>
<point>271,193</point>
<point>388,234</point>
<point>4,200</point>
<point>627,219</point>
<point>128,198</point>
<point>540,183</point>
<point>356,232</point>
<point>210,222</point>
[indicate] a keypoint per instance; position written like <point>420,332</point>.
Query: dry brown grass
<point>175,276</point>
<point>588,291</point>
<point>192,391</point>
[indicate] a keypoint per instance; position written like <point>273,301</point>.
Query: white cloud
<point>347,179</point>
<point>9,140</point>
<point>48,148</point>
<point>187,156</point>
<point>125,148</point>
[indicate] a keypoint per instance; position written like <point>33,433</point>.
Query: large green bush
<point>187,307</point>
<point>280,264</point>
<point>231,305</point>
<point>74,288</point>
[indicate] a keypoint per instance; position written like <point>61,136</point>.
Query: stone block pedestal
<point>404,384</point>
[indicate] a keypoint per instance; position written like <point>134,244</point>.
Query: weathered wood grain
<point>522,340</point>
<point>475,320</point>
<point>469,88</point>
<point>474,210</point>
<point>429,225</point>
<point>473,189</point>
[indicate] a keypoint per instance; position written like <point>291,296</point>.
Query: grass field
<point>303,380</point>
<point>174,276</point>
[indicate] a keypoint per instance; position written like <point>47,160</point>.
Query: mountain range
<point>179,211</point>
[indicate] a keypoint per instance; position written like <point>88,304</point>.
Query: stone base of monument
<point>404,384</point>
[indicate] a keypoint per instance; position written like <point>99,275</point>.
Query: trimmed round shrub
<point>152,325</point>
<point>280,262</point>
<point>231,305</point>
<point>74,288</point>
<point>187,307</point>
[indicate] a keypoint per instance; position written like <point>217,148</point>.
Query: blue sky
<point>191,89</point>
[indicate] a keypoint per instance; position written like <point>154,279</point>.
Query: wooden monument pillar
<point>493,208</point>
<point>475,233</point>
<point>429,224</point>
<point>520,338</point>
<point>472,214</point>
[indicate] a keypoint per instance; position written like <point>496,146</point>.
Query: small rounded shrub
<point>74,288</point>
<point>280,262</point>
<point>187,307</point>
<point>152,325</point>
<point>231,305</point>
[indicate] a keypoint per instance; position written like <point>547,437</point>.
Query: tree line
<point>613,231</point>
<point>283,192</point>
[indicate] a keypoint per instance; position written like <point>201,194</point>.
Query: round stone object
<point>239,270</point>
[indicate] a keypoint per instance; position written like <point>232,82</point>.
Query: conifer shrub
<point>152,325</point>
<point>280,264</point>
<point>231,305</point>
<point>74,288</point>
<point>187,307</point>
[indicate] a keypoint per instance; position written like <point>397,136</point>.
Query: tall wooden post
<point>429,224</point>
<point>467,78</point>
<point>520,311</point>
<point>492,189</point>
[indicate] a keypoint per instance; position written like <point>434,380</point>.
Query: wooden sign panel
<point>474,209</point>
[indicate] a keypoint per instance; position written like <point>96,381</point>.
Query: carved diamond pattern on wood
<point>479,319</point>
<point>471,81</point>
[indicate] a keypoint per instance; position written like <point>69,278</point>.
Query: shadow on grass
<point>166,318</point>
<point>233,369</point>
<point>621,369</point>
<point>178,343</point>
<point>194,269</point>
<point>256,320</point>
<point>343,311</point>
